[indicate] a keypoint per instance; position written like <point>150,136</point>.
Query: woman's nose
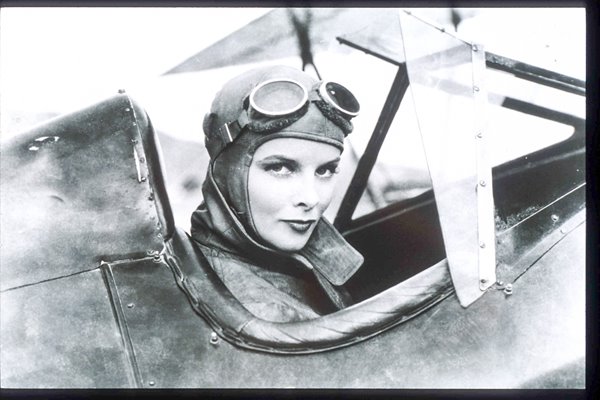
<point>307,195</point>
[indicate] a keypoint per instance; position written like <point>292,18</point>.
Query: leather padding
<point>212,300</point>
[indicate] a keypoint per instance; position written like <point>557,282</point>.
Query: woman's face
<point>290,185</point>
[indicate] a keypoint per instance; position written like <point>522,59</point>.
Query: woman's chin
<point>292,245</point>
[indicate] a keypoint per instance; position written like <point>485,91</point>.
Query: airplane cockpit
<point>445,243</point>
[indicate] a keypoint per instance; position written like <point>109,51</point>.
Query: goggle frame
<point>230,130</point>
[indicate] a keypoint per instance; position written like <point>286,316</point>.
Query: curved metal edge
<point>157,176</point>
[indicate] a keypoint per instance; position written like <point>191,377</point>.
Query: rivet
<point>134,124</point>
<point>121,91</point>
<point>214,338</point>
<point>480,135</point>
<point>562,231</point>
<point>483,281</point>
<point>128,109</point>
<point>475,48</point>
<point>554,217</point>
<point>150,252</point>
<point>476,88</point>
<point>130,305</point>
<point>482,245</point>
<point>142,159</point>
<point>499,283</point>
<point>482,183</point>
<point>508,289</point>
<point>133,140</point>
<point>143,179</point>
<point>151,383</point>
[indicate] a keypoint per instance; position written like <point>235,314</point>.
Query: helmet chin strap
<point>338,295</point>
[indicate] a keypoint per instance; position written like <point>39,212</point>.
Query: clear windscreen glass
<point>401,170</point>
<point>447,87</point>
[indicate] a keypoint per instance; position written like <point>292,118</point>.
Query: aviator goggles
<point>277,103</point>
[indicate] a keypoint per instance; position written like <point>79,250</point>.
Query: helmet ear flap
<point>208,125</point>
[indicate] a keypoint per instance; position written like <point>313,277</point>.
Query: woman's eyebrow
<point>278,158</point>
<point>334,161</point>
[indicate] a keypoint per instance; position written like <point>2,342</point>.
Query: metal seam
<point>138,141</point>
<point>48,280</point>
<point>117,309</point>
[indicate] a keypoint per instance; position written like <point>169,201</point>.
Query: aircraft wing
<point>278,33</point>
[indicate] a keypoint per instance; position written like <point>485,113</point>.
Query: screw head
<point>555,218</point>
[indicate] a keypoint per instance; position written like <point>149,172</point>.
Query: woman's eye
<point>328,171</point>
<point>278,169</point>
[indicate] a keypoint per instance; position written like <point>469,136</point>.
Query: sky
<point>60,59</point>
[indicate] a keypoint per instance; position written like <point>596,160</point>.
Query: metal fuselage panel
<point>446,347</point>
<point>62,334</point>
<point>76,191</point>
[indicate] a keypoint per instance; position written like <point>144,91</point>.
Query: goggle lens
<point>341,98</point>
<point>278,97</point>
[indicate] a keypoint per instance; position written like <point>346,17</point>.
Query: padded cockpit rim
<point>213,301</point>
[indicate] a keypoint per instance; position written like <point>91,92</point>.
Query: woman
<point>275,136</point>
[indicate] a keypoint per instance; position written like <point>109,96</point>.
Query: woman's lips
<point>300,226</point>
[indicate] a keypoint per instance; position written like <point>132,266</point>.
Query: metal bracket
<point>485,200</point>
<point>506,288</point>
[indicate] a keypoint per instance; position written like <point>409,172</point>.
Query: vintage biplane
<point>475,279</point>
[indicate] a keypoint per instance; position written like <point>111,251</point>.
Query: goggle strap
<point>229,131</point>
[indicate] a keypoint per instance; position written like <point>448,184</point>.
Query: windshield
<point>513,130</point>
